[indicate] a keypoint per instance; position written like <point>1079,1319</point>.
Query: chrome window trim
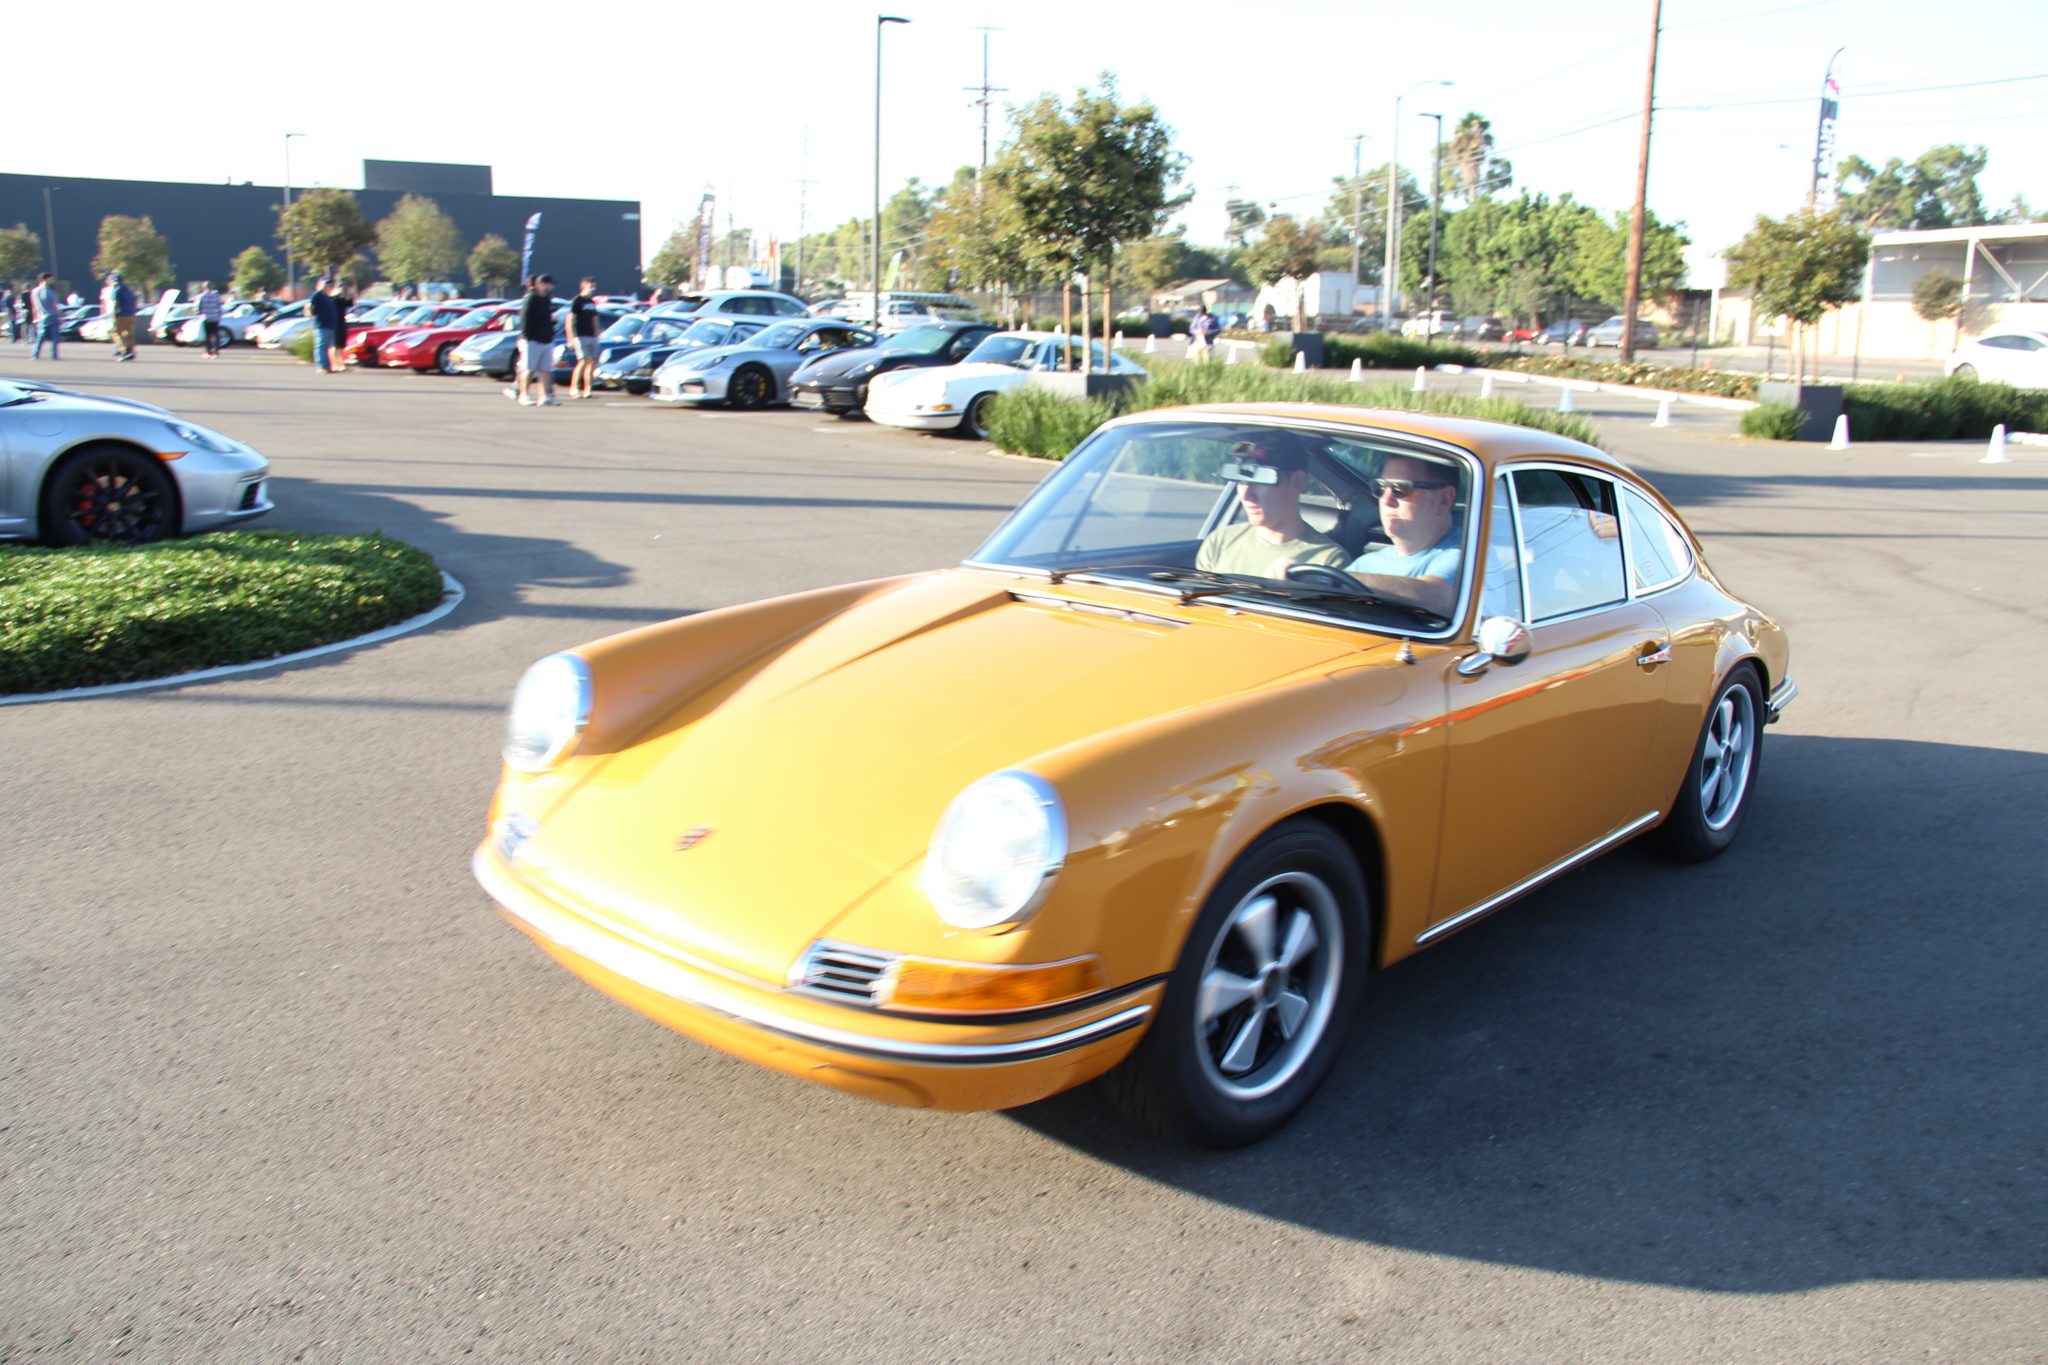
<point>1528,884</point>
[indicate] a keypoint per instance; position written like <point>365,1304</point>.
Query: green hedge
<point>1378,351</point>
<point>300,346</point>
<point>1941,410</point>
<point>1038,422</point>
<point>1140,325</point>
<point>1773,421</point>
<point>1721,383</point>
<point>92,615</point>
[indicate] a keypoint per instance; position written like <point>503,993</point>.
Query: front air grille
<point>252,497</point>
<point>841,972</point>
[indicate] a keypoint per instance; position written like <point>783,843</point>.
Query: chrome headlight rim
<point>936,879</point>
<point>572,711</point>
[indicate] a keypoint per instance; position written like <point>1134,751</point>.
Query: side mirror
<point>1502,640</point>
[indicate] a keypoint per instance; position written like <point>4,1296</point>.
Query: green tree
<point>1937,189</point>
<point>359,272</point>
<point>134,247</point>
<point>417,242</point>
<point>1372,216</point>
<point>493,264</point>
<point>21,253</point>
<point>1598,265</point>
<point>1087,177</point>
<point>255,271</point>
<point>674,263</point>
<point>324,228</point>
<point>1799,267</point>
<point>979,240</point>
<point>1479,173</point>
<point>1287,249</point>
<point>1246,217</point>
<point>1938,296</point>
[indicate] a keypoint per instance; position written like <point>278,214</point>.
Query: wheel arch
<point>1358,832</point>
<point>49,476</point>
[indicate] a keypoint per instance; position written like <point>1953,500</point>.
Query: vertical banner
<point>706,211</point>
<point>526,256</point>
<point>1824,147</point>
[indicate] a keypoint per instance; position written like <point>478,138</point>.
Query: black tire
<point>1220,1067</point>
<point>444,358</point>
<point>108,495</point>
<point>975,423</point>
<point>749,388</point>
<point>1707,812</point>
<point>1964,372</point>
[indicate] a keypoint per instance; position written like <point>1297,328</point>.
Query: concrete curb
<point>1705,400</point>
<point>452,595</point>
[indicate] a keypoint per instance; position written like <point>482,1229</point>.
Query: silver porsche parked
<point>76,469</point>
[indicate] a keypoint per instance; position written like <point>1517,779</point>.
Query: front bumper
<point>916,421</point>
<point>700,387</point>
<point>817,396</point>
<point>897,1060</point>
<point>1781,697</point>
<point>221,488</point>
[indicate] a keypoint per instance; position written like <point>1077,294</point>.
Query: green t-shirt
<point>1246,549</point>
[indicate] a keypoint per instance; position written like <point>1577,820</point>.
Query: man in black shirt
<point>536,345</point>
<point>583,338</point>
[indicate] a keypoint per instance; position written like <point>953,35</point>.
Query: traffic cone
<point>1663,417</point>
<point>1996,454</point>
<point>1421,384</point>
<point>1841,441</point>
<point>1357,370</point>
<point>1233,354</point>
<point>1486,386</point>
<point>1151,345</point>
<point>1119,341</point>
<point>1301,362</point>
<point>1564,399</point>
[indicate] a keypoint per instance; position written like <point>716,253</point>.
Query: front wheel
<point>1963,372</point>
<point>1255,1012</point>
<point>749,388</point>
<point>1715,794</point>
<point>976,422</point>
<point>108,495</point>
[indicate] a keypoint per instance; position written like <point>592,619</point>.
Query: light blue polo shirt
<point>1441,560</point>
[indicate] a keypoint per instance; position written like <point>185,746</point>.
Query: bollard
<point>1233,354</point>
<point>1486,386</point>
<point>1663,417</point>
<point>1357,370</point>
<point>1119,341</point>
<point>1421,384</point>
<point>1300,362</point>
<point>1151,345</point>
<point>1841,441</point>
<point>1564,399</point>
<point>1996,453</point>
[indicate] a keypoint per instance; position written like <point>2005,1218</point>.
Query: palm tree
<point>1472,153</point>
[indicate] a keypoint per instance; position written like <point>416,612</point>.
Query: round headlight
<point>550,709</point>
<point>996,851</point>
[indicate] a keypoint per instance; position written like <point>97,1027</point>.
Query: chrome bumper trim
<point>641,966</point>
<point>1562,866</point>
<point>1782,696</point>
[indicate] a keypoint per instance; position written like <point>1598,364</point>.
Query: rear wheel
<point>975,423</point>
<point>1964,372</point>
<point>1255,1012</point>
<point>750,387</point>
<point>444,359</point>
<point>1707,814</point>
<point>107,494</point>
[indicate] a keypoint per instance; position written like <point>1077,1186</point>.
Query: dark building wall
<point>207,226</point>
<point>426,177</point>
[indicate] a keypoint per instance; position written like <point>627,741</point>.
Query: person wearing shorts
<point>583,338</point>
<point>536,345</point>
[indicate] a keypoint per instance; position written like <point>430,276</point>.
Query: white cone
<point>1357,370</point>
<point>1233,354</point>
<point>1841,441</point>
<point>1119,341</point>
<point>1996,453</point>
<point>1564,399</point>
<point>1301,362</point>
<point>1151,345</point>
<point>1486,386</point>
<point>1663,417</point>
<point>1421,384</point>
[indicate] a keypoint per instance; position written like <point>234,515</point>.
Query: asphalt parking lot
<point>277,1083</point>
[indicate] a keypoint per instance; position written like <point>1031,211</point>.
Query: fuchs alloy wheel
<point>1718,782</point>
<point>975,423</point>
<point>107,494</point>
<point>750,387</point>
<point>1255,1012</point>
<point>1965,372</point>
<point>444,359</point>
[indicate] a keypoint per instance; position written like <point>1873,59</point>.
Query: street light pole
<point>1357,184</point>
<point>1390,294</point>
<point>1436,197</point>
<point>290,268</point>
<point>875,258</point>
<point>50,228</point>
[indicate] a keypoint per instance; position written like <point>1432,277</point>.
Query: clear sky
<point>1263,95</point>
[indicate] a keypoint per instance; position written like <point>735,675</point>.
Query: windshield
<point>625,329</point>
<point>709,332</point>
<point>919,341</point>
<point>1005,350</point>
<point>475,317</point>
<point>1273,517</point>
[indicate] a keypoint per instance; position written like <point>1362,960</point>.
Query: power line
<point>1717,102</point>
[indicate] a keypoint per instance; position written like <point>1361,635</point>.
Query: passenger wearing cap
<point>1422,563</point>
<point>1270,476</point>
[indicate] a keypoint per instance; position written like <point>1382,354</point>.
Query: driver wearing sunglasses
<point>1417,498</point>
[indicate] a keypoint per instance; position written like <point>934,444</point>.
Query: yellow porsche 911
<point>1242,703</point>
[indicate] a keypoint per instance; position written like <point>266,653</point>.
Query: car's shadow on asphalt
<point>1816,1060</point>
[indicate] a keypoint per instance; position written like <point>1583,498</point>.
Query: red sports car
<point>364,342</point>
<point>433,347</point>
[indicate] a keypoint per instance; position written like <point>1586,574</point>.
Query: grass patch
<point>92,615</point>
<point>1773,422</point>
<point>1376,350</point>
<point>1679,378</point>
<point>1032,421</point>
<point>300,346</point>
<point>1941,410</point>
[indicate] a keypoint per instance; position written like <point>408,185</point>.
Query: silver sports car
<point>76,469</point>
<point>754,372</point>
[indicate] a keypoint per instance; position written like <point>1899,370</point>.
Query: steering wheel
<point>1322,575</point>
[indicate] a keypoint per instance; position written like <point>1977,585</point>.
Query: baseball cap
<point>543,279</point>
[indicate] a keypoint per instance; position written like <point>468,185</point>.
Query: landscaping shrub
<point>300,346</point>
<point>1140,325</point>
<point>91,615</point>
<point>1773,421</point>
<point>1941,410</point>
<point>1378,351</point>
<point>1041,423</point>
<point>1721,383</point>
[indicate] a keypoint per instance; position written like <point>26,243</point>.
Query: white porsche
<point>958,397</point>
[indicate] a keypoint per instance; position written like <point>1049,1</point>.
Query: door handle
<point>1650,659</point>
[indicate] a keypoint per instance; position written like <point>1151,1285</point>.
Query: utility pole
<point>985,90</point>
<point>803,185</point>
<point>50,229</point>
<point>1357,144</point>
<point>1389,291</point>
<point>290,268</point>
<point>1635,226</point>
<point>1436,197</point>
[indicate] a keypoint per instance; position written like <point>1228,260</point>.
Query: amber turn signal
<point>924,984</point>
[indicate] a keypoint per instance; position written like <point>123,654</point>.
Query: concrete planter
<point>1819,405</point>
<point>1074,384</point>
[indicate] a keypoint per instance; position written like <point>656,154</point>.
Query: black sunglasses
<point>1400,488</point>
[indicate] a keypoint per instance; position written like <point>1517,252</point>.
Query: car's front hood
<point>747,821</point>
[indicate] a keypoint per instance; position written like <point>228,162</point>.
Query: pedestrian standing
<point>536,345</point>
<point>327,323</point>
<point>45,319</point>
<point>583,338</point>
<point>1203,329</point>
<point>209,318</point>
<point>14,319</point>
<point>117,300</point>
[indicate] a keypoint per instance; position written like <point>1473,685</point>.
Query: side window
<point>741,331</point>
<point>789,308</point>
<point>1500,590</point>
<point>1571,548</point>
<point>964,343</point>
<point>1657,553</point>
